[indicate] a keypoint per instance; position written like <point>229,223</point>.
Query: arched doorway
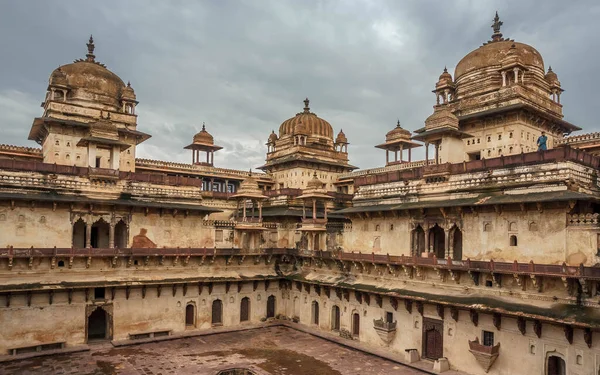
<point>457,244</point>
<point>433,345</point>
<point>97,325</point>
<point>79,234</point>
<point>217,312</point>
<point>418,241</point>
<point>190,315</point>
<point>556,366</point>
<point>100,234</point>
<point>315,313</point>
<point>245,309</point>
<point>335,318</point>
<point>437,241</point>
<point>271,306</point>
<point>355,324</point>
<point>121,235</point>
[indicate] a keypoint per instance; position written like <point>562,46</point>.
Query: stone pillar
<point>314,209</point>
<point>303,209</point>
<point>91,155</point>
<point>259,211</point>
<point>325,210</point>
<point>426,153</point>
<point>115,157</point>
<point>409,152</point>
<point>427,233</point>
<point>503,78</point>
<point>88,235</point>
<point>244,210</point>
<point>387,156</point>
<point>516,71</point>
<point>111,236</point>
<point>447,242</point>
<point>401,153</point>
<point>437,151</point>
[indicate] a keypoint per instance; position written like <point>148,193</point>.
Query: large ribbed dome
<point>492,53</point>
<point>90,76</point>
<point>313,124</point>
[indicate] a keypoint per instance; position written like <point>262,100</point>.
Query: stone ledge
<point>196,333</point>
<point>67,350</point>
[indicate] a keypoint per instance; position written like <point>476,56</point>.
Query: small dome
<point>203,137</point>
<point>314,183</point>
<point>341,137</point>
<point>128,92</point>
<point>314,125</point>
<point>397,133</point>
<point>91,77</point>
<point>441,117</point>
<point>445,77</point>
<point>273,137</point>
<point>249,189</point>
<point>551,77</point>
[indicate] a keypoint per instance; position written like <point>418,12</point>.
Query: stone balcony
<point>249,223</point>
<point>385,330</point>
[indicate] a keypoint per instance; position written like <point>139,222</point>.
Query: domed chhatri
<point>341,138</point>
<point>314,125</point>
<point>397,140</point>
<point>203,141</point>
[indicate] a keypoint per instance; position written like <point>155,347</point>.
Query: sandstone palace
<point>481,258</point>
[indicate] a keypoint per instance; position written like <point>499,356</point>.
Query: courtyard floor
<point>273,350</point>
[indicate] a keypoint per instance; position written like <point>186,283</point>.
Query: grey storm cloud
<point>243,67</point>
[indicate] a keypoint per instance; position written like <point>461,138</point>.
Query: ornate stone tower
<point>498,103</point>
<point>305,144</point>
<point>89,117</point>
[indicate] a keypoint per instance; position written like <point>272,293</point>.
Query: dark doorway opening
<point>335,318</point>
<point>355,324</point>
<point>189,315</point>
<point>437,240</point>
<point>217,312</point>
<point>457,244</point>
<point>100,233</point>
<point>556,366</point>
<point>79,234</point>
<point>121,235</point>
<point>245,309</point>
<point>98,325</point>
<point>315,312</point>
<point>271,307</point>
<point>433,344</point>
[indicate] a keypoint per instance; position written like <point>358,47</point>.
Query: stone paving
<point>273,350</point>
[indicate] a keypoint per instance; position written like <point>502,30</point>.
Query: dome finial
<point>90,46</point>
<point>306,107</point>
<point>497,35</point>
<point>445,69</point>
<point>203,126</point>
<point>398,124</point>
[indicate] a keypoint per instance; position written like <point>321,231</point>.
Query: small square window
<point>389,317</point>
<point>219,235</point>
<point>488,338</point>
<point>99,293</point>
<point>489,283</point>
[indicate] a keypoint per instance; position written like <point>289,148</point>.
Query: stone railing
<point>393,167</point>
<point>381,324</point>
<point>21,149</point>
<point>578,138</point>
<point>197,168</point>
<point>583,219</point>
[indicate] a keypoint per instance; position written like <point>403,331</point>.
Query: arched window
<point>437,241</point>
<point>97,325</point>
<point>121,235</point>
<point>79,233</point>
<point>418,241</point>
<point>190,315</point>
<point>513,240</point>
<point>245,309</point>
<point>457,241</point>
<point>315,313</point>
<point>556,366</point>
<point>217,312</point>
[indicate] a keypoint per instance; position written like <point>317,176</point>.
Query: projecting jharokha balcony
<point>249,223</point>
<point>385,330</point>
<point>485,355</point>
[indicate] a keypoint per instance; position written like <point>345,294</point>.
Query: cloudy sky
<point>243,67</point>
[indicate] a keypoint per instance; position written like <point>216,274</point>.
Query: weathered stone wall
<point>39,227</point>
